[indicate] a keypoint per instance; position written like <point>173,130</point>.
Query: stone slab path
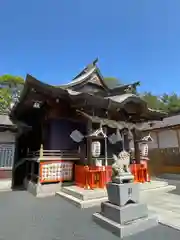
<point>167,206</point>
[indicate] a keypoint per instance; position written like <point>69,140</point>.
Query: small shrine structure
<point>73,130</point>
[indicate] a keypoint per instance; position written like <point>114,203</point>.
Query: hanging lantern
<point>96,149</point>
<point>144,149</point>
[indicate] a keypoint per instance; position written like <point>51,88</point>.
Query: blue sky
<point>54,39</point>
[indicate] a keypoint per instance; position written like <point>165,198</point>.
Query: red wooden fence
<point>91,177</point>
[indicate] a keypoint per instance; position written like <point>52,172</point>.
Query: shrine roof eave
<point>83,78</point>
<point>147,114</point>
<point>127,97</point>
<point>154,115</point>
<point>34,85</point>
<point>122,89</point>
<point>85,99</point>
<point>81,99</point>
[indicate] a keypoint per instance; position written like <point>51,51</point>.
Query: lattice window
<point>6,155</point>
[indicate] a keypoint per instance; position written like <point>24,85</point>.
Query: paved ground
<point>177,184</point>
<point>174,180</point>
<point>167,206</point>
<point>24,217</point>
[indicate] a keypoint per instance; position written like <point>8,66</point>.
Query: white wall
<point>168,139</point>
<point>7,137</point>
<point>151,145</point>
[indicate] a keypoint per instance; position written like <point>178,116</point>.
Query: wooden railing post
<point>41,151</point>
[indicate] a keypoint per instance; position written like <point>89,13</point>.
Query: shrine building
<point>79,125</point>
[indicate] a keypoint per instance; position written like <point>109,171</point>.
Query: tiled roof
<point>167,122</point>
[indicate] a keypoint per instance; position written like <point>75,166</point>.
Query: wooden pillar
<point>178,137</point>
<point>136,148</point>
<point>32,171</point>
<point>16,158</point>
<point>42,133</point>
<point>89,143</point>
<point>157,137</point>
<point>105,148</point>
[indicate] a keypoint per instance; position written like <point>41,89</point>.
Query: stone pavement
<point>24,217</point>
<point>167,206</point>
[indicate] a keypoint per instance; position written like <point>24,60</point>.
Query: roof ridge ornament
<point>98,132</point>
<point>129,89</point>
<point>95,61</point>
<point>91,65</point>
<point>147,138</point>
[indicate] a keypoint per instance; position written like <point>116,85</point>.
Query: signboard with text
<point>56,171</point>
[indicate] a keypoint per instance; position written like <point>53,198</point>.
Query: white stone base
<point>5,185</point>
<point>42,190</point>
<point>125,230</point>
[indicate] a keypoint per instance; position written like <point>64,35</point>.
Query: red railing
<point>91,177</point>
<point>140,173</point>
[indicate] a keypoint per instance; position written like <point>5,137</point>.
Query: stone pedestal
<point>121,194</point>
<point>123,214</point>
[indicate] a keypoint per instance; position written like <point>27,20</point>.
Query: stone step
<point>83,194</point>
<point>81,203</point>
<point>85,201</point>
<point>153,185</point>
<point>166,188</point>
<point>171,176</point>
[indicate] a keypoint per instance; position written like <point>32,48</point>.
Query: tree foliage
<point>10,87</point>
<point>112,82</point>
<point>168,103</point>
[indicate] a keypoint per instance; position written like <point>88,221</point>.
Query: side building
<point>164,150</point>
<point>7,147</point>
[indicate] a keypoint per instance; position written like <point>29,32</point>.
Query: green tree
<point>112,82</point>
<point>10,87</point>
<point>171,102</point>
<point>152,100</point>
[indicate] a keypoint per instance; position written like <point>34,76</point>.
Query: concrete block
<point>120,194</point>
<point>42,190</point>
<point>127,213</point>
<point>128,229</point>
<point>5,185</point>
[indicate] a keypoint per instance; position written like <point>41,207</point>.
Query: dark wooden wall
<point>164,161</point>
<point>58,134</point>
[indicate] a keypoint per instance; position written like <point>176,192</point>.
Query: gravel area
<point>24,217</point>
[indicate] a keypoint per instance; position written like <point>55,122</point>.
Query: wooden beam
<point>178,137</point>
<point>136,147</point>
<point>89,143</point>
<point>157,136</point>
